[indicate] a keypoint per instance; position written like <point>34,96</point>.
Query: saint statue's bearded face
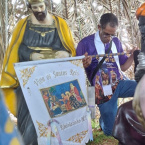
<point>39,11</point>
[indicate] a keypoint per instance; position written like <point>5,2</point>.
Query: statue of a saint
<point>37,36</point>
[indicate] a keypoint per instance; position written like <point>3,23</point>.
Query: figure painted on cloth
<point>98,90</point>
<point>105,77</point>
<point>56,109</point>
<point>52,104</point>
<point>66,101</point>
<point>37,36</point>
<point>45,96</point>
<point>74,91</point>
<point>129,127</point>
<point>113,76</point>
<point>73,101</point>
<point>114,81</point>
<point>99,43</point>
<point>114,86</point>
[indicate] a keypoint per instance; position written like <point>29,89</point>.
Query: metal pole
<point>109,54</point>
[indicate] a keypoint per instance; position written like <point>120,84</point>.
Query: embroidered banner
<point>56,95</point>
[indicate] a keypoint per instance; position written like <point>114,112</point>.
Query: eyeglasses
<point>107,34</point>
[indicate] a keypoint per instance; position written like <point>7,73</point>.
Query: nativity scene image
<point>63,98</point>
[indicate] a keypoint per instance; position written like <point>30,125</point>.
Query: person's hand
<point>37,56</point>
<point>61,54</point>
<point>87,60</point>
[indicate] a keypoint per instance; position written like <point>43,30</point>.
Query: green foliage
<point>99,137</point>
<point>95,124</point>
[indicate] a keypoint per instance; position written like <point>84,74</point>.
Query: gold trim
<point>26,74</point>
<point>48,53</point>
<point>43,130</point>
<point>78,138</point>
<point>14,43</point>
<point>78,63</point>
<point>41,33</point>
<point>5,67</point>
<point>67,40</point>
<point>39,25</point>
<point>6,87</point>
<point>40,48</point>
<point>60,35</point>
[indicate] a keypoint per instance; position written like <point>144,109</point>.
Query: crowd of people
<point>42,35</point>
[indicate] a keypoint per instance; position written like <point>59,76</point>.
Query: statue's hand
<point>61,54</point>
<point>37,56</point>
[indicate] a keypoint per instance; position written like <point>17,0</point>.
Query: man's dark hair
<point>110,19</point>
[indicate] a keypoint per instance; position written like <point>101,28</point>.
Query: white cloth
<point>91,101</point>
<point>114,50</point>
<point>37,77</point>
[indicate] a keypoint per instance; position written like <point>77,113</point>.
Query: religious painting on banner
<point>56,95</point>
<point>63,98</point>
